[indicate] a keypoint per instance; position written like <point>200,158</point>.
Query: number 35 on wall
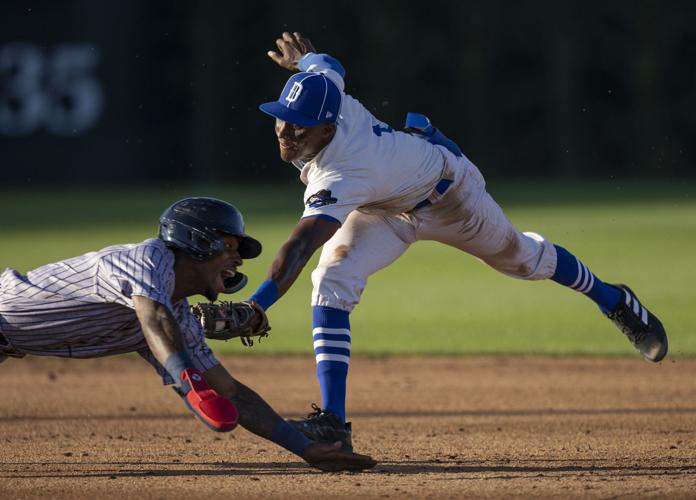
<point>56,92</point>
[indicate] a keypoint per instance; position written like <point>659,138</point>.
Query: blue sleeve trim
<point>324,61</point>
<point>323,216</point>
<point>266,294</point>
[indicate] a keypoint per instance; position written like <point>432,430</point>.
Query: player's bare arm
<point>256,416</point>
<point>309,234</point>
<point>160,329</point>
<point>163,337</point>
<point>291,48</point>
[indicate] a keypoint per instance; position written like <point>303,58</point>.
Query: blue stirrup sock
<point>574,274</point>
<point>331,334</point>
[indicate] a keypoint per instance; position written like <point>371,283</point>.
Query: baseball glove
<point>228,320</point>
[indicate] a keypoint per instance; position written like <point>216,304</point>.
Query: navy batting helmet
<point>197,226</point>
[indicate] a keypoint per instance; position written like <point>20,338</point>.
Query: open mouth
<point>225,275</point>
<point>228,272</point>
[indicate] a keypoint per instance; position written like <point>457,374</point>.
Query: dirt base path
<point>440,427</point>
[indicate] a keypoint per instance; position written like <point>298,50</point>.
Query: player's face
<point>297,142</point>
<point>220,267</point>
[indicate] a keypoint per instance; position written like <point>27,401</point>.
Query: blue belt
<point>440,188</point>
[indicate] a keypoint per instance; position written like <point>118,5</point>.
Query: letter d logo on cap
<point>294,92</point>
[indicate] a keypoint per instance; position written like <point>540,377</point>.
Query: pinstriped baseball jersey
<point>82,307</point>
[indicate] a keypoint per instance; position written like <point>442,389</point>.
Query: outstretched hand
<point>291,48</point>
<point>330,458</point>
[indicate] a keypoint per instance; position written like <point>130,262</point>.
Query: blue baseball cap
<point>308,99</point>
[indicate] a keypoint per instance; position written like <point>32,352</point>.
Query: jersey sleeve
<point>324,63</point>
<point>194,338</point>
<point>334,196</point>
<point>145,270</point>
<point>194,342</point>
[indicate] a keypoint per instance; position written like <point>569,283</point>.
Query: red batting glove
<point>213,410</point>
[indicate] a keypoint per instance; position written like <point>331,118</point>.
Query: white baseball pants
<point>465,217</point>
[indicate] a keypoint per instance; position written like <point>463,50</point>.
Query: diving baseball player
<point>370,193</point>
<point>132,298</point>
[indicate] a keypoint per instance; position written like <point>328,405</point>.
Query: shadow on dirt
<point>463,470</point>
<point>569,468</point>
<point>116,470</point>
<point>379,414</point>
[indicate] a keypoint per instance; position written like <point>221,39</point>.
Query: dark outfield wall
<point>125,92</point>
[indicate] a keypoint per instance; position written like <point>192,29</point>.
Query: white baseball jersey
<point>368,166</point>
<point>83,307</point>
<point>370,178</point>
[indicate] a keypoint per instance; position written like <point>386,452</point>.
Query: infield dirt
<point>440,427</point>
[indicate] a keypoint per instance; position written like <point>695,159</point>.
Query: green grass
<point>434,299</point>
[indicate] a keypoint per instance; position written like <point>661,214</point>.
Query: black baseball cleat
<point>323,426</point>
<point>642,327</point>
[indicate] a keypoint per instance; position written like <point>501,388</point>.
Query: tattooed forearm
<point>160,328</point>
<point>255,415</point>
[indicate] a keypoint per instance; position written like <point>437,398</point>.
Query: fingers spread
<point>291,48</point>
<point>304,43</point>
<point>308,45</point>
<point>298,38</point>
<point>275,56</point>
